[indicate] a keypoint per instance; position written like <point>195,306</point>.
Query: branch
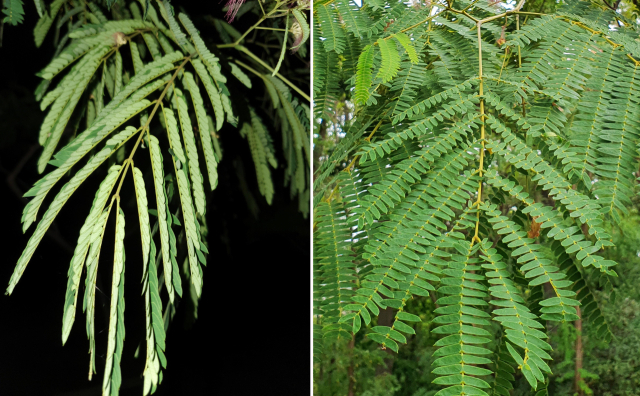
<point>261,62</point>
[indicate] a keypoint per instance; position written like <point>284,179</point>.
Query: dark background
<point>248,337</point>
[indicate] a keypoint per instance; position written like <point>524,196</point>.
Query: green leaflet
<point>135,56</point>
<point>135,11</point>
<point>210,60</point>
<point>173,251</point>
<point>460,321</point>
<point>166,44</point>
<point>364,75</point>
<point>153,45</point>
<point>180,37</point>
<point>265,140</point>
<point>299,135</point>
<point>13,11</point>
<point>118,77</point>
<point>405,42</point>
<point>193,301</point>
<point>61,198</point>
<point>150,11</point>
<point>91,113</point>
<point>417,129</point>
<point>212,91</point>
<point>331,30</point>
<point>258,153</point>
<point>193,242</point>
<point>173,134</point>
<point>98,97</point>
<point>390,60</point>
<point>512,307</point>
<point>155,327</point>
<point>83,45</point>
<point>240,75</point>
<point>203,129</point>
<point>536,265</point>
<point>108,73</point>
<point>49,98</point>
<point>226,104</point>
<point>45,22</point>
<point>59,115</point>
<point>158,181</point>
<point>271,88</point>
<point>143,215</point>
<point>112,376</point>
<point>40,8</point>
<point>93,258</point>
<point>41,29</point>
<point>214,138</point>
<point>332,272</point>
<point>192,152</point>
<point>84,241</point>
<point>441,97</point>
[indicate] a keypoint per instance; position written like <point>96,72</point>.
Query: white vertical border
<point>311,170</point>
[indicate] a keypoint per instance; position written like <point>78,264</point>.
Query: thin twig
<point>280,76</point>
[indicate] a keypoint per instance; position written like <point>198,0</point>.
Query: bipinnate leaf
<point>61,198</point>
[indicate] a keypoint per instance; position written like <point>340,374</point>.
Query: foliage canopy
<point>488,147</point>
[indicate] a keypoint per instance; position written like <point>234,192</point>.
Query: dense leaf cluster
<point>143,81</point>
<point>489,146</point>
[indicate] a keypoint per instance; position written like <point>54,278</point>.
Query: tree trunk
<point>579,353</point>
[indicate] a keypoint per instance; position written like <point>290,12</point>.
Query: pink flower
<point>232,8</point>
